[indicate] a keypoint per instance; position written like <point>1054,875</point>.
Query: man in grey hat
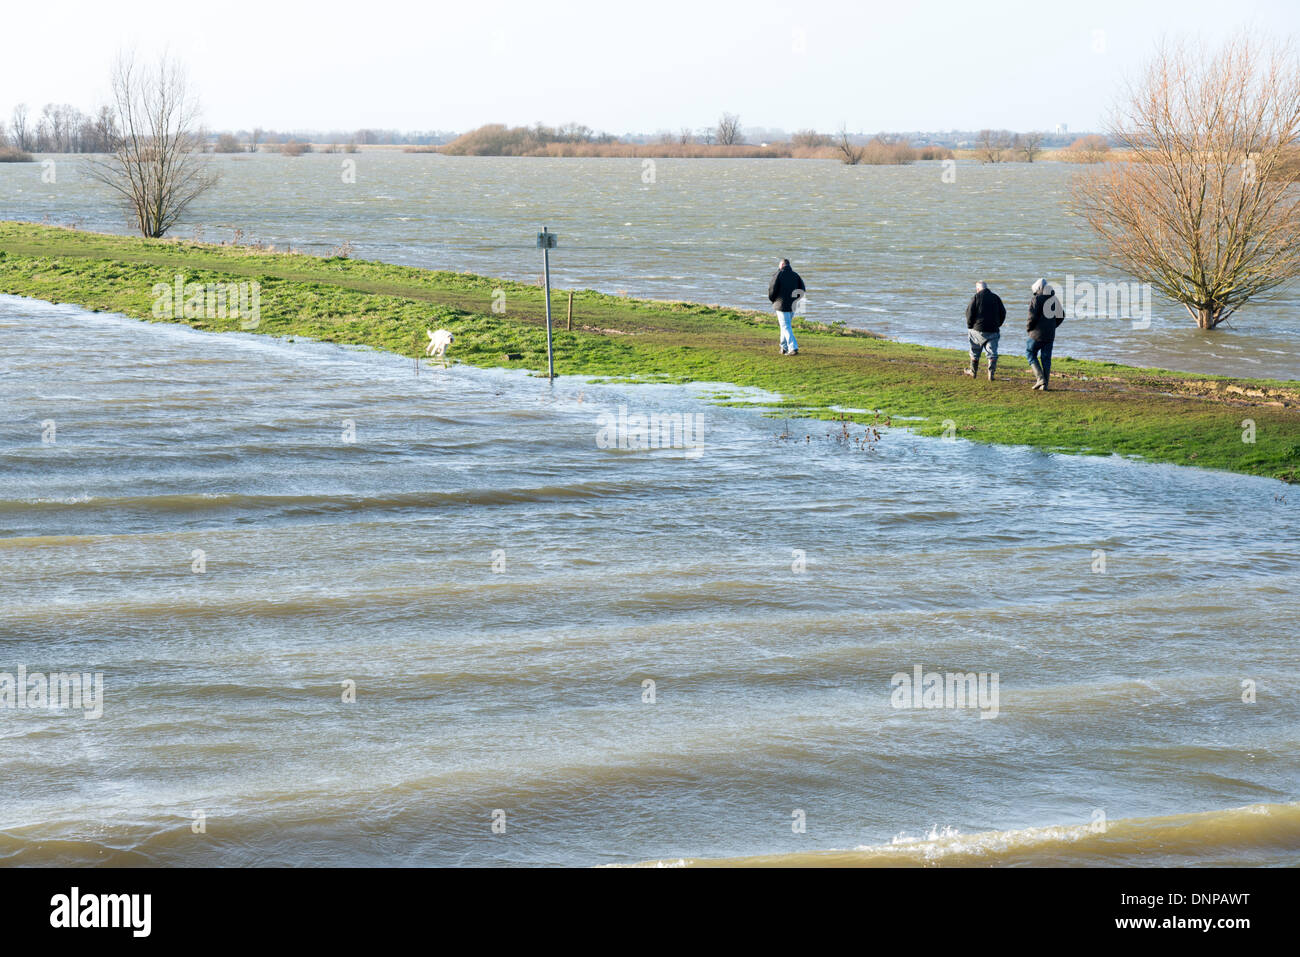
<point>1045,314</point>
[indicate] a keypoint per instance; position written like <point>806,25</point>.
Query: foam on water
<point>1269,833</point>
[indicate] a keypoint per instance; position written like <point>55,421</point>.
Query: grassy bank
<point>1096,408</point>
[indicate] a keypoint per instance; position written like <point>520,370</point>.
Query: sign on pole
<point>546,242</point>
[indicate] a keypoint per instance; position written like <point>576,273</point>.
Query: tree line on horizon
<point>729,139</point>
<point>63,128</point>
<point>500,139</point>
<point>59,128</point>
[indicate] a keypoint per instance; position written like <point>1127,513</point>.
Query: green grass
<point>1094,408</point>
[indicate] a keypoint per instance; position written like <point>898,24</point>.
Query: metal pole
<point>546,266</point>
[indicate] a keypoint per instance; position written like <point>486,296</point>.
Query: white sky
<point>617,65</point>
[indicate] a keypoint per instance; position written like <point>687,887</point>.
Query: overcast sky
<point>618,66</point>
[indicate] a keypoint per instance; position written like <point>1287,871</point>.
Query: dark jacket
<point>781,290</point>
<point>1045,314</point>
<point>985,312</point>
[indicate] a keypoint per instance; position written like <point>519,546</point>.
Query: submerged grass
<point>1095,408</point>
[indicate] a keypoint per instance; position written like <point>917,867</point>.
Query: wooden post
<point>570,325</point>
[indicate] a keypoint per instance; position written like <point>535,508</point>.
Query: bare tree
<point>1028,145</point>
<point>729,130</point>
<point>155,166</point>
<point>1199,212</point>
<point>50,130</point>
<point>254,138</point>
<point>22,130</point>
<point>809,139</point>
<point>850,154</point>
<point>685,136</point>
<point>105,130</point>
<point>1089,149</point>
<point>991,145</point>
<point>44,132</point>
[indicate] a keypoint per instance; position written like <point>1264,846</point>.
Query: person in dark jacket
<point>1045,314</point>
<point>984,317</point>
<point>786,289</point>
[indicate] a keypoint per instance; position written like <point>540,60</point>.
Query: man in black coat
<point>984,317</point>
<point>785,289</point>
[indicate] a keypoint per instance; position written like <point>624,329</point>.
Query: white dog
<point>438,342</point>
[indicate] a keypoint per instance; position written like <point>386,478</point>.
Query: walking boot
<point>993,366</point>
<point>974,367</point>
<point>1039,381</point>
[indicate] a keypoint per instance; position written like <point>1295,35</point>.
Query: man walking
<point>785,289</point>
<point>984,317</point>
<point>1045,314</point>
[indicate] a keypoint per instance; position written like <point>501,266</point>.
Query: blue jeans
<point>1041,350</point>
<point>788,343</point>
<point>983,340</point>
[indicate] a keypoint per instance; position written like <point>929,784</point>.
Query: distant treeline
<point>62,128</point>
<point>58,128</point>
<point>250,141</point>
<point>496,139</point>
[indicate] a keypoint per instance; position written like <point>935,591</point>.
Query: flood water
<point>236,531</point>
<point>892,249</point>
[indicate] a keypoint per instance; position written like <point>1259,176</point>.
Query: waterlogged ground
<point>892,249</point>
<point>500,588</point>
